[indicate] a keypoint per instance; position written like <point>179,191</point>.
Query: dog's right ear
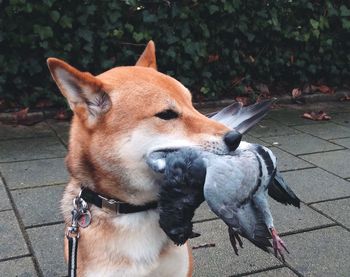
<point>84,92</point>
<point>148,57</point>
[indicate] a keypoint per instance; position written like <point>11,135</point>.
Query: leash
<point>81,217</point>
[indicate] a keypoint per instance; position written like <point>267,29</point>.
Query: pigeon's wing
<point>229,186</point>
<point>226,112</point>
<point>281,192</point>
<point>241,118</point>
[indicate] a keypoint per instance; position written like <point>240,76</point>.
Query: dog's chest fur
<point>126,245</point>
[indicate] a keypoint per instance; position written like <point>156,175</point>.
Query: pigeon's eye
<point>167,114</point>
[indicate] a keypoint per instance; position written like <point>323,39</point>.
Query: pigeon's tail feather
<point>261,235</point>
<point>253,227</point>
<point>280,191</point>
<point>226,112</point>
<point>241,118</point>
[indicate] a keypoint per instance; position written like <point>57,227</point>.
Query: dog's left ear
<point>148,57</point>
<point>84,92</point>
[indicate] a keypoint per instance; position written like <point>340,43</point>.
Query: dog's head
<point>123,115</point>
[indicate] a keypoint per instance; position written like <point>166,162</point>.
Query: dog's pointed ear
<point>148,57</point>
<point>84,92</point>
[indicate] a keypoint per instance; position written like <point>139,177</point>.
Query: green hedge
<point>208,45</point>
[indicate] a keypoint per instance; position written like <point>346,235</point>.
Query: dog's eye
<point>167,114</point>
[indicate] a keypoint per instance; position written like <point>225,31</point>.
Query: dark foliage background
<point>214,47</point>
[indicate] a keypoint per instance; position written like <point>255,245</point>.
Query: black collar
<point>114,204</point>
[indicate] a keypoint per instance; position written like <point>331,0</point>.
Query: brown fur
<point>110,110</point>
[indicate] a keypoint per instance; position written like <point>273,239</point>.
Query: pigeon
<point>242,119</point>
<point>181,193</point>
<point>235,186</point>
<point>236,189</point>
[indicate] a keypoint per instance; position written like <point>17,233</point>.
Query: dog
<point>120,117</point>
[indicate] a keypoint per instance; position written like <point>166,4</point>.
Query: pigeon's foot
<point>234,238</point>
<point>278,244</point>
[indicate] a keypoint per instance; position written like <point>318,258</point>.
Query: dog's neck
<point>106,177</point>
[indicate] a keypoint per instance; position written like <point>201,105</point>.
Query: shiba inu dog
<point>120,117</point>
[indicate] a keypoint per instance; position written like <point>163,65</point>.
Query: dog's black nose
<point>232,139</point>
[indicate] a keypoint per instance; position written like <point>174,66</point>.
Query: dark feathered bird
<point>180,194</point>
<point>235,188</point>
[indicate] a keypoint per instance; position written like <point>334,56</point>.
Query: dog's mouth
<point>156,159</point>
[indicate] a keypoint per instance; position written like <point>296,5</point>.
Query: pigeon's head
<point>181,166</point>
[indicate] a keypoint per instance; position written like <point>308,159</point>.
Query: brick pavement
<point>313,156</point>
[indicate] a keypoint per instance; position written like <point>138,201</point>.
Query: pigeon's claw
<point>194,235</point>
<point>278,244</point>
<point>234,238</point>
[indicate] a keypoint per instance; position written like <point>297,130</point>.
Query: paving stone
<point>329,107</point>
<point>323,252</point>
<point>270,128</point>
<point>22,267</point>
<point>297,219</point>
<point>19,131</point>
<point>59,126</point>
<point>326,131</point>
<point>301,144</point>
<point>203,213</point>
<point>287,161</point>
<point>34,173</point>
<point>29,149</point>
<point>64,137</point>
<point>251,139</point>
<point>39,205</point>
<point>291,219</point>
<point>336,106</point>
<point>336,209</point>
<point>343,142</point>
<point>337,162</point>
<point>315,184</point>
<point>342,119</point>
<point>280,272</point>
<point>47,243</point>
<point>291,117</point>
<point>221,259</point>
<point>4,200</point>
<point>12,243</point>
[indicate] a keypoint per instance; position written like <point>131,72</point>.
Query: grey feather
<point>236,189</point>
<point>241,118</point>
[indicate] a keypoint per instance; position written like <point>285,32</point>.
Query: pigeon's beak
<point>156,161</point>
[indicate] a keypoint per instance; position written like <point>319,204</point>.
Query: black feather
<point>260,236</point>
<point>280,191</point>
<point>266,157</point>
<point>181,193</point>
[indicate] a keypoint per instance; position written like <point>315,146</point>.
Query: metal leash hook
<point>81,217</point>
